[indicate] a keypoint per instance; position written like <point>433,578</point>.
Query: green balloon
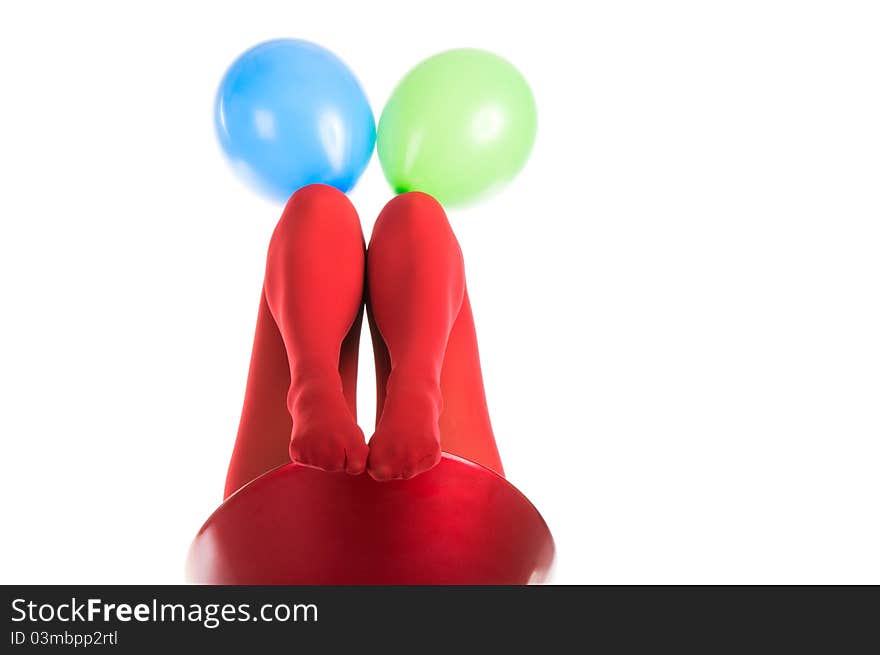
<point>459,125</point>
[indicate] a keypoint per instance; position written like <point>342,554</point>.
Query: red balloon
<point>458,523</point>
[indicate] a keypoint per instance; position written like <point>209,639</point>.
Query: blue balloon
<point>290,113</point>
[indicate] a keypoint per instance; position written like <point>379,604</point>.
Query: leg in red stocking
<point>430,389</point>
<point>465,428</point>
<point>264,429</point>
<point>302,382</point>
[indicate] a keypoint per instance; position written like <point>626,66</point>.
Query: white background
<point>678,300</point>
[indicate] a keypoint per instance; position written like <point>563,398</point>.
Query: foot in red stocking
<point>314,289</point>
<point>415,275</point>
<point>407,438</point>
<point>325,434</point>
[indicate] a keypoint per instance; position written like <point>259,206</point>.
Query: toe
<point>426,463</point>
<point>379,470</point>
<point>322,455</point>
<point>298,452</point>
<point>331,457</point>
<point>356,459</point>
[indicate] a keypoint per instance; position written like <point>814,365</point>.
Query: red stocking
<point>300,398</point>
<point>428,369</point>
